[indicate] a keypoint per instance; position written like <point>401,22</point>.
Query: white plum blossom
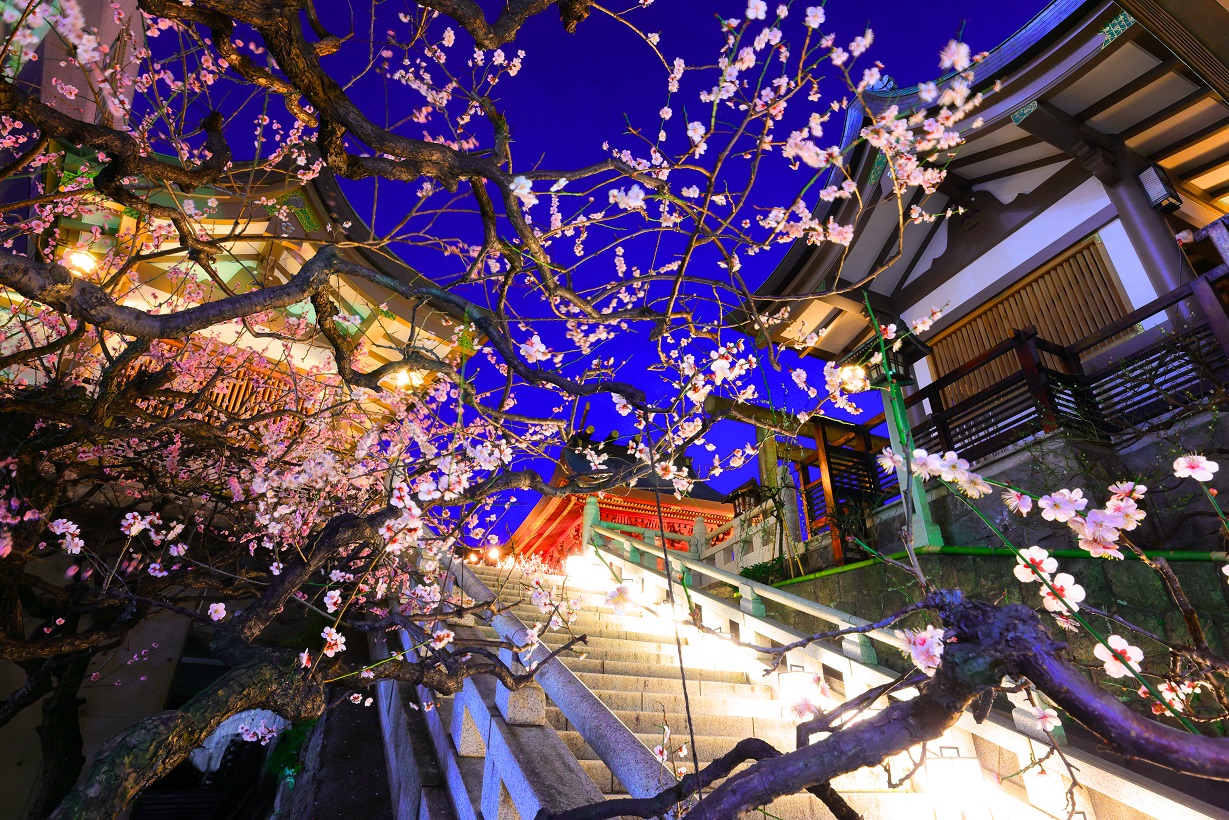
<point>1034,562</point>
<point>132,524</point>
<point>534,351</point>
<point>1195,466</point>
<point>756,9</point>
<point>889,460</point>
<point>217,611</point>
<point>629,200</point>
<point>332,600</point>
<point>1062,506</point>
<point>1128,489</point>
<point>620,599</point>
<point>1018,502</point>
<point>925,647</point>
<point>401,495</point>
<point>522,189</point>
<point>1122,656</point>
<point>695,131</point>
<point>441,638</point>
<point>1063,594</point>
<point>955,55</point>
<point>1047,719</point>
<point>815,16</point>
<point>334,641</point>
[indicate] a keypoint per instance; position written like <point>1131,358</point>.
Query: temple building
<point>553,529</point>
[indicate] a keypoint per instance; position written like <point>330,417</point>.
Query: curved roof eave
<point>1021,47</point>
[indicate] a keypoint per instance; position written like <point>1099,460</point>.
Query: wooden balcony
<point>1181,359</point>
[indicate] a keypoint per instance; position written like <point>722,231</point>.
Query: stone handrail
<point>754,592</point>
<point>635,766</point>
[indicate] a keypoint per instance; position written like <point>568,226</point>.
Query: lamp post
<point>889,373</point>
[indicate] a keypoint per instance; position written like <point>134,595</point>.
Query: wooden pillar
<point>1037,381</point>
<point>825,476</point>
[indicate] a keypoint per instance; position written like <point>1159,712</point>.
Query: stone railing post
<point>525,706</point>
<point>860,648</point>
<point>590,518</point>
<point>699,539</point>
<point>749,602</point>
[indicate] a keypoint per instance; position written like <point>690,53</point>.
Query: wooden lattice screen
<point>1067,299</point>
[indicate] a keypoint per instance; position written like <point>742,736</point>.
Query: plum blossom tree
<point>357,464</point>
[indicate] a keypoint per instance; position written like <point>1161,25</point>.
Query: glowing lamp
<point>80,262</point>
<point>958,787</point>
<point>493,553</point>
<point>865,365</point>
<point>409,378</point>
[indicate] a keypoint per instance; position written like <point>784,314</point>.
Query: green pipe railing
<point>996,552</point>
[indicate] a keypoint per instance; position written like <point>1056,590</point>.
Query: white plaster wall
<point>1139,288</point>
<point>991,272</point>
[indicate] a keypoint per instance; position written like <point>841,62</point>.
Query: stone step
<point>643,669</point>
<point>711,725</point>
<point>629,631</point>
<point>646,647</point>
<point>697,686</point>
<point>655,702</point>
<point>572,588</point>
<point>524,609</point>
<point>694,657</point>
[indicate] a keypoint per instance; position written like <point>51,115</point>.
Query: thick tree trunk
<point>153,746</point>
<point>60,736</point>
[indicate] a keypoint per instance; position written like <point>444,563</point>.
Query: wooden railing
<point>1185,357</point>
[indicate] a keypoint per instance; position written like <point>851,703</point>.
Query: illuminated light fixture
<point>853,373</point>
<point>880,370</point>
<point>80,262</point>
<point>493,553</point>
<point>1160,191</point>
<point>409,378</point>
<point>958,786</point>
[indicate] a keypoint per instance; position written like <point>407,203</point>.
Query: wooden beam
<point>1172,110</point>
<point>1218,191</point>
<point>1203,167</point>
<point>1130,89</point>
<point>965,160</point>
<point>997,223</point>
<point>1190,140</point>
<point>1174,26</point>
<point>825,474</point>
<point>1028,166</point>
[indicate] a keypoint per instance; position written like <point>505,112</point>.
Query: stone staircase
<point>631,663</point>
<point>584,731</point>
